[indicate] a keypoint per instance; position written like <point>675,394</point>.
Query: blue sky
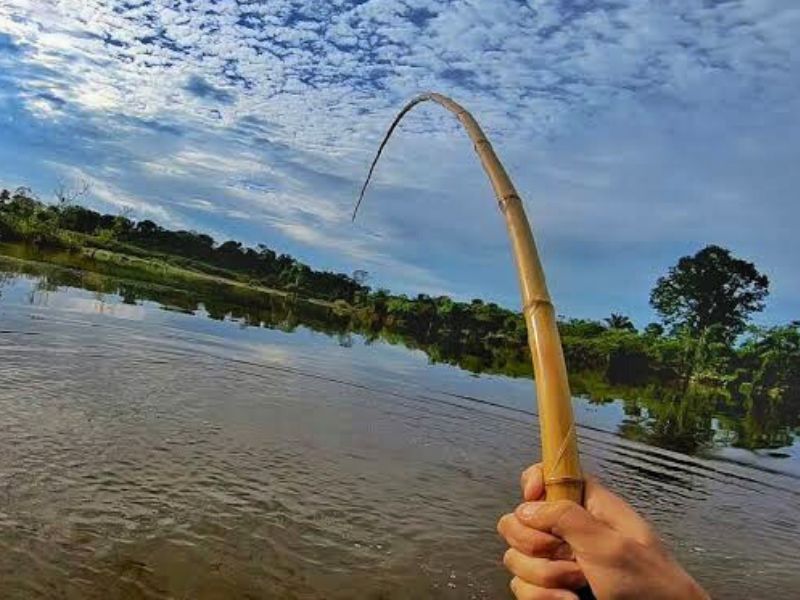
<point>636,132</point>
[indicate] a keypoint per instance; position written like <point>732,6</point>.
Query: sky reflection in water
<point>150,451</point>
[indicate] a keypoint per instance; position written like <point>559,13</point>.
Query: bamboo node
<point>534,303</point>
<point>565,479</point>
<point>504,200</point>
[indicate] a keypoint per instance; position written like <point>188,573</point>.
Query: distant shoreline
<point>675,373</point>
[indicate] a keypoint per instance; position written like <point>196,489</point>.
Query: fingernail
<point>529,509</point>
<point>533,485</point>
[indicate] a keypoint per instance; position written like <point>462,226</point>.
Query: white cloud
<point>102,190</point>
<point>542,60</point>
<point>625,123</point>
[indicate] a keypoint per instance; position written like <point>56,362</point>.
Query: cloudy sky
<point>636,131</point>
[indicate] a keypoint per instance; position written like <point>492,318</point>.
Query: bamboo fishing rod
<point>562,471</point>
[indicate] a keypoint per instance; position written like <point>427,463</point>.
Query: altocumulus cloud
<point>637,131</point>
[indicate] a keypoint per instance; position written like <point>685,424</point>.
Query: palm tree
<point>616,321</point>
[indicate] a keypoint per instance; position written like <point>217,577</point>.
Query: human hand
<point>559,547</point>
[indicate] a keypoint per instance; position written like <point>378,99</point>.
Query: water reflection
<point>678,421</point>
<point>686,422</point>
<point>152,453</point>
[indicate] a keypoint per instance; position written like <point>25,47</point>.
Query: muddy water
<point>146,453</point>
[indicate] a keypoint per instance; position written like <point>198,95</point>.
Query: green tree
<point>616,321</point>
<point>771,358</point>
<point>580,328</point>
<point>710,288</point>
<point>654,330</point>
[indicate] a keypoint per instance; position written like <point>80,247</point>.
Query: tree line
<point>25,218</point>
<point>702,344</point>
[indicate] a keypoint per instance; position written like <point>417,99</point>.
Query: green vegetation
<point>711,289</point>
<point>72,227</point>
<point>702,361</point>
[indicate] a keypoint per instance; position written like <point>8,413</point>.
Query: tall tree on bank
<point>710,289</point>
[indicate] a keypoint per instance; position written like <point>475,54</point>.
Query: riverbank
<point>682,372</point>
<point>654,414</point>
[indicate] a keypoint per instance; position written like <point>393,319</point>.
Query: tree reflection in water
<point>746,416</point>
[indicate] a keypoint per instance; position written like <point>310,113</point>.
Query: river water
<point>151,453</point>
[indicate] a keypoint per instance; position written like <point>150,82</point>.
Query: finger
<point>567,520</point>
<point>527,591</point>
<point>609,508</point>
<point>528,540</point>
<point>532,483</point>
<point>546,573</point>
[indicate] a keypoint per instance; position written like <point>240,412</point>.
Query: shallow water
<point>147,453</point>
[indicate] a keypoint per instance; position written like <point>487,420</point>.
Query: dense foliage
<point>702,359</point>
<point>711,288</point>
<point>24,218</point>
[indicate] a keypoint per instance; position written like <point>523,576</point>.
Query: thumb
<point>564,519</point>
<point>612,510</point>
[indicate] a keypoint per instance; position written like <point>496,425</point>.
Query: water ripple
<point>152,459</point>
